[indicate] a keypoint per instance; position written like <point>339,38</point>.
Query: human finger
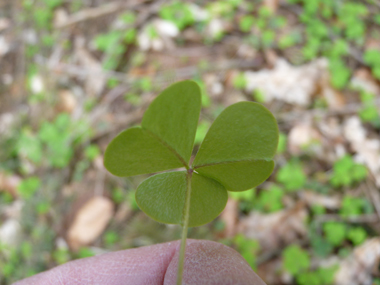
<point>206,262</point>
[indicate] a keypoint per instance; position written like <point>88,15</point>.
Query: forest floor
<point>73,74</point>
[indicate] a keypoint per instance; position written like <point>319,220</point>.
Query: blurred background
<point>74,73</point>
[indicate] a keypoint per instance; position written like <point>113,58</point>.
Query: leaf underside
<point>238,149</point>
<point>162,197</point>
<point>165,140</point>
<point>135,152</point>
<point>239,176</point>
<point>173,117</point>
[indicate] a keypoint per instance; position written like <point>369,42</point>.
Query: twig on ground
<point>266,256</point>
<point>95,12</point>
<point>375,2</point>
<point>347,110</point>
<point>127,120</point>
<point>142,18</point>
<point>146,13</point>
<point>375,197</point>
<point>181,73</point>
<point>76,70</point>
<point>368,218</point>
<point>109,98</point>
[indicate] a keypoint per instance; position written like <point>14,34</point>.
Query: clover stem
<point>185,224</point>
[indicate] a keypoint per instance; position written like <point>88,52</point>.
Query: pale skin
<point>206,262</point>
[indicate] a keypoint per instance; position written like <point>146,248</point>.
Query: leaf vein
<point>181,159</point>
<point>235,161</point>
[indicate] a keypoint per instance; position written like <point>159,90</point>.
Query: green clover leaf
<point>236,155</point>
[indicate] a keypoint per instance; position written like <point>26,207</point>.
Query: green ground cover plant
<point>52,144</point>
<point>270,200</point>
<point>115,42</point>
<point>48,153</point>
<point>248,249</point>
<point>354,206</point>
<point>295,259</point>
<point>369,112</point>
<point>28,187</point>
<point>235,155</point>
<point>177,12</point>
<point>292,176</point>
<point>346,172</point>
<point>297,262</point>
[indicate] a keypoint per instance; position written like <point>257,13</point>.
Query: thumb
<point>206,262</point>
<point>209,262</point>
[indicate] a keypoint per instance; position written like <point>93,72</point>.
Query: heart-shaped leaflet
<point>236,155</point>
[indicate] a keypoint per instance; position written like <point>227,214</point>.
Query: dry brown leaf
<point>335,99</point>
<point>60,17</point>
<point>191,35</point>
<point>246,51</point>
<point>95,79</point>
<point>301,136</point>
<point>123,213</point>
<point>271,57</point>
<point>7,121</point>
<point>215,27</point>
<point>9,183</point>
<point>166,30</point>
<point>368,150</point>
<point>149,70</point>
<point>266,269</point>
<point>5,45</point>
<point>274,230</point>
<point>357,268</point>
<point>272,5</point>
<point>331,129</point>
<point>90,222</point>
<point>291,84</point>
<point>329,202</point>
<point>214,87</point>
<point>372,43</point>
<point>13,210</point>
<point>233,97</point>
<point>364,80</point>
<point>4,23</point>
<point>10,232</point>
<point>332,139</point>
<point>230,218</point>
<point>66,101</point>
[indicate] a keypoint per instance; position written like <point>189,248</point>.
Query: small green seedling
<point>178,13</point>
<point>292,176</point>
<point>355,206</point>
<point>236,155</point>
<point>248,249</point>
<point>346,172</point>
<point>295,259</point>
<point>246,23</point>
<point>335,232</point>
<point>270,200</point>
<point>28,187</point>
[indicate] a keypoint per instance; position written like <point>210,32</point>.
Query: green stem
<point>185,224</point>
